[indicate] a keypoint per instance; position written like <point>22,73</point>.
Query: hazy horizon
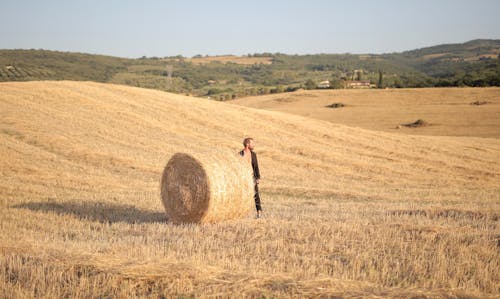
<point>164,28</point>
<point>233,54</point>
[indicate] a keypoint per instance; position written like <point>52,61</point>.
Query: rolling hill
<point>474,63</point>
<point>348,211</point>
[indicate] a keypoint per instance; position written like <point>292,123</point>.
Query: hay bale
<point>206,187</point>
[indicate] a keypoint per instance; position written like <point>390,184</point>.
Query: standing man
<point>248,154</point>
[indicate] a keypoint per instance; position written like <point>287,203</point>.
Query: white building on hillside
<point>324,84</point>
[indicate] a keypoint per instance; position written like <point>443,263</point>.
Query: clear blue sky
<point>132,28</point>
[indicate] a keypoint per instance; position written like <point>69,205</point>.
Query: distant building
<point>324,84</point>
<point>358,84</point>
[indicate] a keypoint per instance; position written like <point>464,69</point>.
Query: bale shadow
<point>97,211</point>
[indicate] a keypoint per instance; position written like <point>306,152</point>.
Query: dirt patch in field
<point>335,105</point>
<point>416,124</point>
<point>479,103</point>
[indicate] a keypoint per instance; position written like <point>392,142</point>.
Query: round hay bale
<point>206,187</point>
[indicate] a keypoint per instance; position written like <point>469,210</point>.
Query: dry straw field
<point>347,211</point>
<point>473,112</point>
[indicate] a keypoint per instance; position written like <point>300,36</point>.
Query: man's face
<point>251,145</point>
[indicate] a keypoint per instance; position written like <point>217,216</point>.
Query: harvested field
<point>347,211</point>
<point>469,112</point>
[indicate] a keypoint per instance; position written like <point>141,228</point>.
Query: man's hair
<point>247,141</point>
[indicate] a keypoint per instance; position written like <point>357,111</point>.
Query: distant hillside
<point>472,50</point>
<point>29,65</point>
<point>474,63</point>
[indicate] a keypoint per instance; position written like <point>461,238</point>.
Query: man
<point>248,154</point>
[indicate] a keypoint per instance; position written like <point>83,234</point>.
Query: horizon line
<point>246,55</point>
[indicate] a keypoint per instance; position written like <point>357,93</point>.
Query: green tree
<point>359,76</point>
<point>310,84</point>
<point>336,83</point>
<point>278,89</point>
<point>380,78</point>
<point>398,83</point>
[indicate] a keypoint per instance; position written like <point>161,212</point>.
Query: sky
<point>133,28</point>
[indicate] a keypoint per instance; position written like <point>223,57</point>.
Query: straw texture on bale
<point>206,187</point>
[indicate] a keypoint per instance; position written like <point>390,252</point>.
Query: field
<point>470,112</point>
<point>245,60</point>
<point>348,211</point>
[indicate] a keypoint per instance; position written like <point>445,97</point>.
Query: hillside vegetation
<point>347,211</point>
<point>474,63</point>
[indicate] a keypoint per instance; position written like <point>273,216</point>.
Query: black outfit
<point>256,176</point>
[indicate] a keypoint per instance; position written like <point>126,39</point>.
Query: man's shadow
<point>97,211</point>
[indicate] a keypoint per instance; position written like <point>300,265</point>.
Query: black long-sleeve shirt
<point>255,164</point>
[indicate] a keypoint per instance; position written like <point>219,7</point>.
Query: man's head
<point>248,143</point>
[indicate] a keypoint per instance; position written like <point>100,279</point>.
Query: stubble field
<point>470,112</point>
<point>347,211</point>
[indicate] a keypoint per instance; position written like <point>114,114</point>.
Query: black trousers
<point>257,198</point>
